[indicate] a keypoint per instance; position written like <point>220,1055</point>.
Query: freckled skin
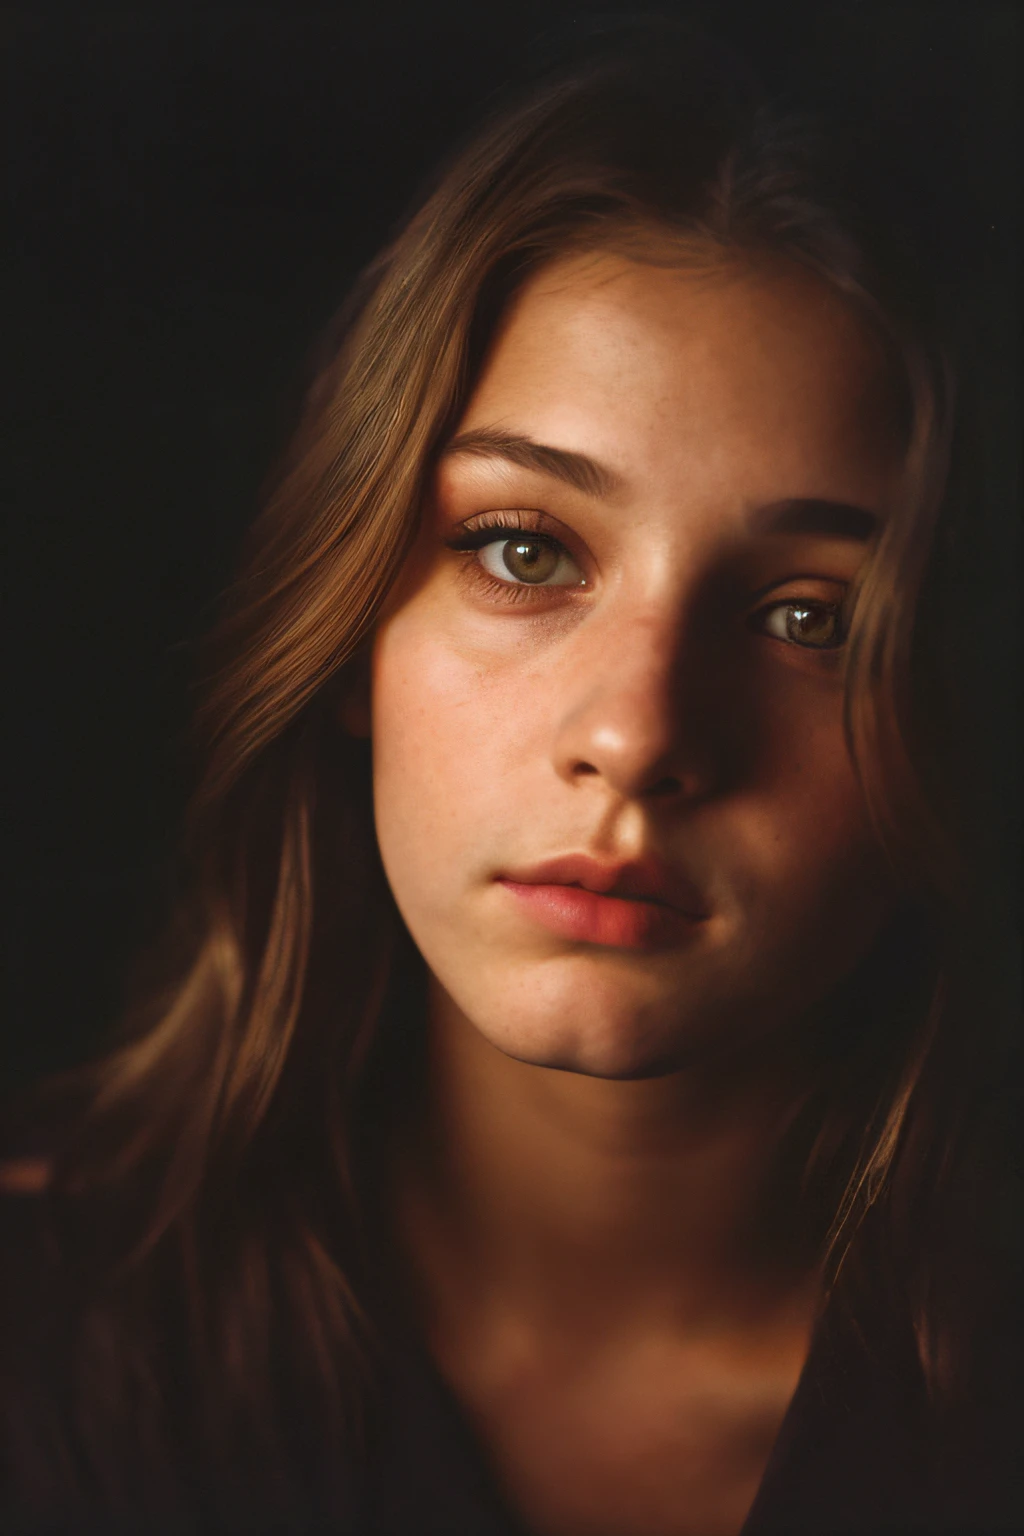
<point>641,713</point>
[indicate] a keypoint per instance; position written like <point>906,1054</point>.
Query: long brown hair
<point>211,1192</point>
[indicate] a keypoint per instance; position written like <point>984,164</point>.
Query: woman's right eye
<point>530,559</point>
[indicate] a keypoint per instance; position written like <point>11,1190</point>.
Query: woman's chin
<point>610,1042</point>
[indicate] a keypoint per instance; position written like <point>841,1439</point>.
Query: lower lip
<point>590,918</point>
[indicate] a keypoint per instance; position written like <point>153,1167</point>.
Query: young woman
<point>570,1108</point>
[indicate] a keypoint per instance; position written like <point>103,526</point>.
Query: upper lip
<point>644,879</point>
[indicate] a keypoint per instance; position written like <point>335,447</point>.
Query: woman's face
<point>613,795</point>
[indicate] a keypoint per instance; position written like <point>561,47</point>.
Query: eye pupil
<point>812,624</point>
<point>530,559</point>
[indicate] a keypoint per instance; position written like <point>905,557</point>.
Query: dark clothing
<point>855,1455</point>
<point>858,1452</point>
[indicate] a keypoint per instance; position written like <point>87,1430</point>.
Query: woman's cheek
<point>436,731</point>
<point>828,864</point>
<point>793,822</point>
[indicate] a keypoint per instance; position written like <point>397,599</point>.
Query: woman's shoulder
<point>33,1271</point>
<point>27,1242</point>
<point>27,1164</point>
<point>26,1183</point>
<point>24,1176</point>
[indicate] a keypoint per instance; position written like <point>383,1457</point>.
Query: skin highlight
<point>583,1193</point>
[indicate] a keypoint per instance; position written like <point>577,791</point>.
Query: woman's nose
<point>636,712</point>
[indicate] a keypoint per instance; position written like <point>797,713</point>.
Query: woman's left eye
<point>530,559</point>
<point>814,625</point>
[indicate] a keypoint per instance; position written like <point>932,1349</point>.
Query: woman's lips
<point>643,903</point>
<point>591,917</point>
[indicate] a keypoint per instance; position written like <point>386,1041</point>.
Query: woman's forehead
<point>657,367</point>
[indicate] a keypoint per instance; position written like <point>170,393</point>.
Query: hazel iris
<point>532,560</point>
<point>813,624</point>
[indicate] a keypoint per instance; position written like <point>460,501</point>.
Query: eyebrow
<point>794,515</point>
<point>812,515</point>
<point>575,469</point>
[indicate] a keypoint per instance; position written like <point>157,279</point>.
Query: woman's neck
<point>587,1206</point>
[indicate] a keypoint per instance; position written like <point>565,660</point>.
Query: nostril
<point>666,786</point>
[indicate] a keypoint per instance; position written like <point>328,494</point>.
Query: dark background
<point>190,189</point>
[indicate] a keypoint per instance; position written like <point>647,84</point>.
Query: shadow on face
<point>612,788</point>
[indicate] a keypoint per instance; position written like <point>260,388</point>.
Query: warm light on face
<point>619,643</point>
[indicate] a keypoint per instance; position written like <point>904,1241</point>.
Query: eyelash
<point>490,525</point>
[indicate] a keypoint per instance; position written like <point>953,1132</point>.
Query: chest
<point>631,1446</point>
